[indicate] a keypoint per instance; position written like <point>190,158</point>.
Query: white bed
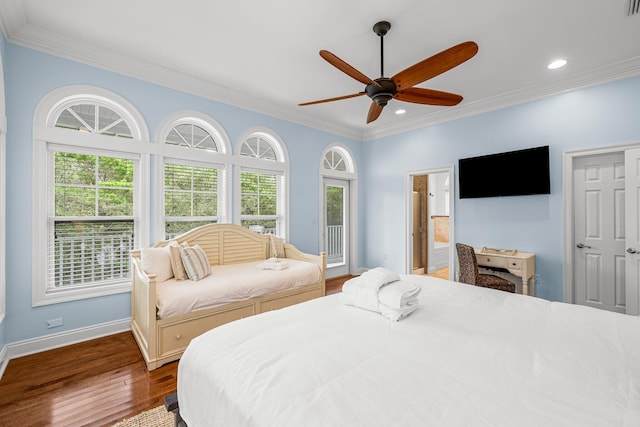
<point>467,357</point>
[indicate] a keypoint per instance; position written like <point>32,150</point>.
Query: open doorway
<point>430,222</point>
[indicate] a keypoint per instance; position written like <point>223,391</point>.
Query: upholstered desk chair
<point>469,271</point>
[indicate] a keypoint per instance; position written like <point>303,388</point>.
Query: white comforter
<point>231,283</point>
<point>467,357</point>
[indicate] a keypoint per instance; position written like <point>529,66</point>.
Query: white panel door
<point>599,232</point>
<point>632,163</point>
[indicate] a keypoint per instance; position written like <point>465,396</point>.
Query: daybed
<point>468,356</point>
<point>233,253</point>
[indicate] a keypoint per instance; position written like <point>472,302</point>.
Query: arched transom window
<point>94,118</point>
<point>191,135</point>
<point>335,160</point>
<point>259,146</point>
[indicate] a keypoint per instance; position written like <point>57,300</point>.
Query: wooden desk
<point>521,265</point>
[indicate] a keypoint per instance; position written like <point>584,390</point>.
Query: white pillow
<point>157,261</point>
<point>195,262</point>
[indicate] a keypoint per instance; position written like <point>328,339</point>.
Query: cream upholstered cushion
<point>277,246</point>
<point>157,261</point>
<point>176,261</point>
<point>195,262</point>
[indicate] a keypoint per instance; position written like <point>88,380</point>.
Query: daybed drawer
<point>282,302</point>
<point>175,337</point>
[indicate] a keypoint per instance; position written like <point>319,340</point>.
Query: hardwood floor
<point>334,285</point>
<point>95,383</point>
<point>443,273</point>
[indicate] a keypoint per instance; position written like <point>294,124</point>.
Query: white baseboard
<point>49,342</point>
<point>4,360</point>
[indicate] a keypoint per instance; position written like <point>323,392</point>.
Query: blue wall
<point>30,75</point>
<point>593,117</point>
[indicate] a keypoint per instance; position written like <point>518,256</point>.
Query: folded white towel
<point>397,314</point>
<point>378,277</point>
<point>399,294</point>
<point>400,298</point>
<point>369,283</point>
<point>273,264</point>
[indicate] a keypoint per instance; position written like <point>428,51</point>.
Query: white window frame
<point>45,135</point>
<point>221,160</point>
<point>279,166</point>
<point>351,175</point>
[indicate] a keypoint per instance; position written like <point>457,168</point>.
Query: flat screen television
<point>514,173</point>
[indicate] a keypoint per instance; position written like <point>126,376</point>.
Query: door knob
<point>632,251</point>
<point>582,246</point>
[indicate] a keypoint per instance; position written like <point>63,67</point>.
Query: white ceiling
<point>263,54</point>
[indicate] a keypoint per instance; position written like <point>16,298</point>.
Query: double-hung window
<point>194,173</point>
<point>88,194</point>
<point>263,184</point>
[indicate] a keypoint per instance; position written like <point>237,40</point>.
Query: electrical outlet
<point>54,323</point>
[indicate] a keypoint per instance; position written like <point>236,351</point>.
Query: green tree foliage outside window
<point>258,193</point>
<point>258,197</point>
<point>190,192</point>
<point>91,247</point>
<point>335,205</point>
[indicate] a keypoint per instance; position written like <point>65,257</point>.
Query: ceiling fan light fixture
<point>400,111</point>
<point>558,63</point>
<point>401,86</point>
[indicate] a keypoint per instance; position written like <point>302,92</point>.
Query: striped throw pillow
<point>195,262</point>
<point>277,246</point>
<point>176,260</point>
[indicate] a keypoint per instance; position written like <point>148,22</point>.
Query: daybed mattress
<point>231,283</point>
<point>467,357</point>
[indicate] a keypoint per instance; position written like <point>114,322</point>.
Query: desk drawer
<point>491,261</point>
<point>514,264</point>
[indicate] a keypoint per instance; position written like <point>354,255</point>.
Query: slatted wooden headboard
<point>226,243</point>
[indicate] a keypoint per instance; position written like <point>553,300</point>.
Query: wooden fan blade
<point>338,98</point>
<point>435,65</point>
<point>374,112</point>
<point>346,68</point>
<point>428,96</point>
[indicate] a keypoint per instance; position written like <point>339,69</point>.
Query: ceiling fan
<point>401,85</point>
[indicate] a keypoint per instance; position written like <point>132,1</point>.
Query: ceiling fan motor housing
<point>382,94</point>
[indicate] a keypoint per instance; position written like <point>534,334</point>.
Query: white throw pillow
<point>157,261</point>
<point>195,262</point>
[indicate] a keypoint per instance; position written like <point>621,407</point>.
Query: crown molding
<point>78,51</point>
<point>12,17</point>
<point>609,73</point>
<point>19,32</point>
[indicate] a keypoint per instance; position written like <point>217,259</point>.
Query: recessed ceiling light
<point>400,111</point>
<point>558,63</point>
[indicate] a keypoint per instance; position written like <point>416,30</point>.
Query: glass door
<point>336,226</point>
